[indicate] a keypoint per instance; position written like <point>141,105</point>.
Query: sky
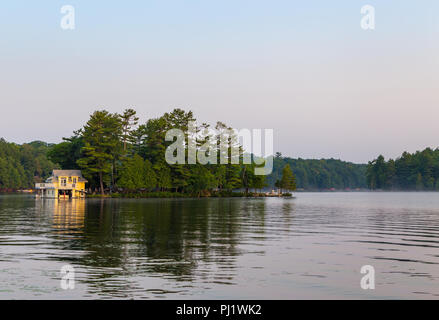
<point>306,69</point>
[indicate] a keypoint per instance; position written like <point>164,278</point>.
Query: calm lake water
<point>312,246</point>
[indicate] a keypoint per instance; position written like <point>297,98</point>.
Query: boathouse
<point>63,184</point>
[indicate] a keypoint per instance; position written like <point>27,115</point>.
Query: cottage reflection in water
<point>145,240</point>
<point>68,216</point>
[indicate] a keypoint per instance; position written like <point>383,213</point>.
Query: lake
<point>312,246</point>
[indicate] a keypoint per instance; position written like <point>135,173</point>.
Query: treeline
<point>412,171</point>
<point>117,154</point>
<point>320,174</point>
<point>23,165</point>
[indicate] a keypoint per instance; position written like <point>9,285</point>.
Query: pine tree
<point>132,176</point>
<point>101,137</point>
<point>128,121</point>
<point>419,182</point>
<point>163,174</point>
<point>288,181</point>
<point>149,175</point>
<point>136,174</point>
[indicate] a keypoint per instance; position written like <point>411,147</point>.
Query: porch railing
<point>44,186</point>
<point>64,186</point>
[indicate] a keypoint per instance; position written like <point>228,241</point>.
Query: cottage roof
<point>69,173</point>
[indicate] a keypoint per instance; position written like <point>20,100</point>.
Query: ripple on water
<point>312,246</point>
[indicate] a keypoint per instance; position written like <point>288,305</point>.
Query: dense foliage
<point>320,174</point>
<point>417,171</point>
<point>288,180</point>
<point>116,154</point>
<point>23,165</point>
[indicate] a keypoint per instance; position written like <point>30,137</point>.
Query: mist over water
<point>312,246</point>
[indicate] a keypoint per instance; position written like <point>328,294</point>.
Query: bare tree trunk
<point>101,181</point>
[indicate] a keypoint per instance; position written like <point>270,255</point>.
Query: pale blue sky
<point>304,68</point>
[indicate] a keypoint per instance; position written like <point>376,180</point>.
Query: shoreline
<point>173,195</point>
<point>170,195</point>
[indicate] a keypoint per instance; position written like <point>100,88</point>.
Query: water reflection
<point>68,215</point>
<point>177,240</point>
<point>309,247</point>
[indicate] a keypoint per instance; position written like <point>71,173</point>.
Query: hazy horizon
<point>328,88</point>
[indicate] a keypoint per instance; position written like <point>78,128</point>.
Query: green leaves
<point>417,171</point>
<point>288,181</point>
<point>137,174</point>
<point>128,121</point>
<point>102,141</point>
<point>23,165</point>
<point>318,174</point>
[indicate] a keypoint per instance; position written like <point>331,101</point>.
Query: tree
<point>149,175</point>
<point>136,174</point>
<point>312,174</point>
<point>132,175</point>
<point>247,175</point>
<point>219,173</point>
<point>128,121</point>
<point>201,180</point>
<point>101,137</point>
<point>259,182</point>
<point>288,181</point>
<point>419,182</point>
<point>138,137</point>
<point>67,153</point>
<point>417,171</point>
<point>180,175</point>
<point>233,172</point>
<point>163,174</point>
<point>277,184</point>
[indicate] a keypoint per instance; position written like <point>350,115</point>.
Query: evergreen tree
<point>288,181</point>
<point>138,137</point>
<point>417,171</point>
<point>23,165</point>
<point>136,174</point>
<point>67,153</point>
<point>128,121</point>
<point>201,180</point>
<point>101,137</point>
<point>132,174</point>
<point>163,174</point>
<point>247,175</point>
<point>259,182</point>
<point>150,179</point>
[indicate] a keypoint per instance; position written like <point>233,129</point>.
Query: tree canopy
<point>319,174</point>
<point>288,181</point>
<point>23,165</point>
<point>416,171</point>
<point>120,152</point>
<point>116,152</point>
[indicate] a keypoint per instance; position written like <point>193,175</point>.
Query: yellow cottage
<point>63,184</point>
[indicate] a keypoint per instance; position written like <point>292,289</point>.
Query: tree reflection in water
<point>117,240</point>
